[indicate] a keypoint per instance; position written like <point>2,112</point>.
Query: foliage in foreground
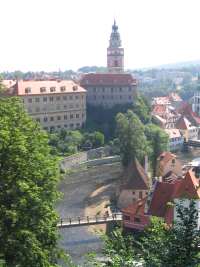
<point>28,191</point>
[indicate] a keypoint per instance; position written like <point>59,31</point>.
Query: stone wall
<point>87,156</point>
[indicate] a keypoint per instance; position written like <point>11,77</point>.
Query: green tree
<point>28,191</point>
<point>158,142</point>
<point>142,109</point>
<point>130,132</point>
<point>185,237</point>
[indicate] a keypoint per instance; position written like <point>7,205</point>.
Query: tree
<point>142,109</point>
<point>173,246</point>
<point>118,250</point>
<point>158,142</point>
<point>184,245</point>
<point>28,191</point>
<point>130,132</point>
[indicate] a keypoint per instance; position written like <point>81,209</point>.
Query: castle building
<point>55,104</point>
<point>115,87</point>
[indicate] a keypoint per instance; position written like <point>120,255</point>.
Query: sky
<point>68,34</point>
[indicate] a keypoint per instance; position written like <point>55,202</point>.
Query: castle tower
<point>115,53</point>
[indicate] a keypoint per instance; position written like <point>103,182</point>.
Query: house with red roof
<point>161,202</point>
<point>168,162</point>
<point>134,185</point>
<point>188,130</point>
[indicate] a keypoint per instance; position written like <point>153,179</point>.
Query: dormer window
<point>28,90</point>
<point>75,88</point>
<point>52,89</point>
<point>62,88</point>
<point>42,89</point>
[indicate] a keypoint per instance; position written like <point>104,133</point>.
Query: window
<point>45,119</point>
<point>111,90</point>
<point>71,116</point>
<point>133,192</point>
<point>120,96</point>
<point>58,118</point>
<point>65,117</point>
<point>65,106</point>
<point>140,194</point>
<point>58,98</point>
<point>77,97</point>
<point>129,97</point>
<point>44,99</point>
<point>64,97</point>
<point>71,125</point>
<point>77,116</point>
<point>51,118</point>
<point>78,125</point>
<point>120,89</point>
<point>30,100</point>
<point>42,89</point>
<point>103,96</point>
<point>129,89</point>
<point>103,90</point>
<point>137,220</point>
<point>58,126</point>
<point>51,98</point>
<point>71,97</point>
<point>65,125</point>
<point>173,161</point>
<point>62,88</point>
<point>37,99</point>
<point>27,90</point>
<point>126,218</point>
<point>52,89</point>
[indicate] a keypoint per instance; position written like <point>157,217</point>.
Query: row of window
<point>112,90</point>
<point>176,139</point>
<point>58,118</point>
<point>71,126</point>
<point>58,107</point>
<point>111,97</point>
<point>53,98</point>
<point>51,89</point>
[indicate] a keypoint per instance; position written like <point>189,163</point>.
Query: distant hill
<point>178,65</point>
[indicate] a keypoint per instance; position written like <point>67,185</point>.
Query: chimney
<point>146,164</point>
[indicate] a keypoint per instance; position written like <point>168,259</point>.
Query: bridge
<point>192,143</point>
<point>86,221</point>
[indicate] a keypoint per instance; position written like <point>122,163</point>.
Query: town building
<point>166,163</point>
<point>137,215</point>
<point>134,185</point>
<point>114,87</point>
<point>55,104</point>
<point>176,139</point>
<point>196,103</point>
<point>188,131</point>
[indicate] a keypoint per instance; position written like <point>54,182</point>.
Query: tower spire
<point>115,53</point>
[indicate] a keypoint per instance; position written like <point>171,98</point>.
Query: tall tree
<point>130,132</point>
<point>158,142</point>
<point>142,108</point>
<point>28,191</point>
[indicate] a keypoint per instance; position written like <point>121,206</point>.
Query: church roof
<point>135,177</point>
<point>107,79</point>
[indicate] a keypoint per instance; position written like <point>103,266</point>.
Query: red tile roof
<point>104,79</point>
<point>163,194</point>
<point>183,123</point>
<point>35,87</point>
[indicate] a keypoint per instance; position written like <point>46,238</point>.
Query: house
<point>137,215</point>
<point>176,140</point>
<point>189,131</point>
<point>186,110</point>
<point>175,99</point>
<point>168,162</point>
<point>55,104</point>
<point>135,184</point>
